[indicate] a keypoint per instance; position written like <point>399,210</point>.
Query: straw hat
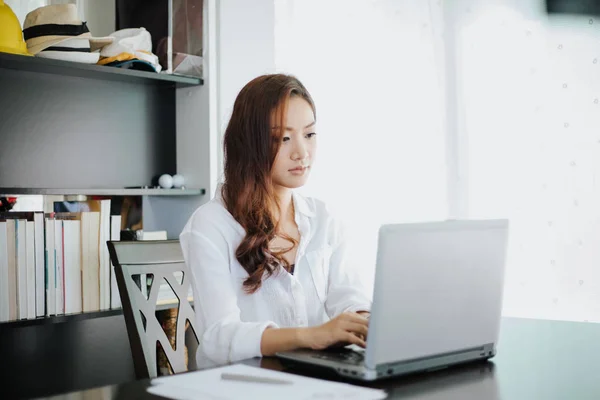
<point>52,25</point>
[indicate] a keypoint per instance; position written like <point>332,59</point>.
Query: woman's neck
<point>284,196</point>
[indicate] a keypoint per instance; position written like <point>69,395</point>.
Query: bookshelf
<point>74,129</point>
<point>64,318</point>
<point>75,317</point>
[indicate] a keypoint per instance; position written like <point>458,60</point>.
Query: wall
<point>245,42</point>
<point>99,14</point>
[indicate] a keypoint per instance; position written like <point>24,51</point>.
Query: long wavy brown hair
<point>252,140</point>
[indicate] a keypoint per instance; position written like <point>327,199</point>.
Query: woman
<point>267,263</point>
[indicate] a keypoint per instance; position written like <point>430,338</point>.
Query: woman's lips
<point>299,170</point>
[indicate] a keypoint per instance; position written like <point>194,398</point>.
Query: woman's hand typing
<point>347,328</point>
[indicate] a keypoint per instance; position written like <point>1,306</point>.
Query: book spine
<point>21,246</point>
<point>40,283</point>
<point>30,250</point>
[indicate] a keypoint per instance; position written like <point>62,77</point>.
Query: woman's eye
<point>311,134</point>
<point>285,139</point>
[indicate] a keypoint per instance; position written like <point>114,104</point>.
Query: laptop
<point>437,301</point>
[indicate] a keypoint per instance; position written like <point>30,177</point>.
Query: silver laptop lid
<point>438,288</point>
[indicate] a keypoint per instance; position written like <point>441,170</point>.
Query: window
<point>526,106</point>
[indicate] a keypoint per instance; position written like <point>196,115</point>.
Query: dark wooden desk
<point>536,359</point>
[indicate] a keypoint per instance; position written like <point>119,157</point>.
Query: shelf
<point>57,319</point>
<point>68,68</point>
<point>102,192</point>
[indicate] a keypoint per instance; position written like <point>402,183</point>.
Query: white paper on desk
<point>207,384</point>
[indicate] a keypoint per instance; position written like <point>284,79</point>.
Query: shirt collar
<point>301,205</point>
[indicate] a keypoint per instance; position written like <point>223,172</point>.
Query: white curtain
<point>531,86</point>
<point>374,70</point>
<point>523,98</point>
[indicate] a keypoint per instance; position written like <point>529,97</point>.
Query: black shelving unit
<point>68,68</point>
<point>57,319</point>
<point>75,129</point>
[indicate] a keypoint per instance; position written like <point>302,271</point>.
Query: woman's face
<point>298,147</point>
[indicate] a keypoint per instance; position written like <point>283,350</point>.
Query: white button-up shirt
<point>231,322</point>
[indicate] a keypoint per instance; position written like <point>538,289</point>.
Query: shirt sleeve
<point>225,338</point>
<point>346,291</point>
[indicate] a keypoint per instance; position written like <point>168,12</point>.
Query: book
<point>103,208</point>
<point>115,235</point>
<point>104,236</point>
<point>30,249</point>
<point>12,270</point>
<point>89,228</point>
<point>72,266</point>
<point>90,260</point>
<point>59,297</point>
<point>50,252</point>
<point>4,299</point>
<point>153,235</point>
<point>21,253</point>
<point>35,279</point>
<point>40,264</point>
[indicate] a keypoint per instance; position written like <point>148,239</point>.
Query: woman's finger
<point>353,339</point>
<point>357,328</point>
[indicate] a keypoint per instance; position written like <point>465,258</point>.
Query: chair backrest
<point>163,260</point>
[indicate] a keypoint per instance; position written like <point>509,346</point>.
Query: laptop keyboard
<point>346,357</point>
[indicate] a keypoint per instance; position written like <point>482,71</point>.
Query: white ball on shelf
<point>165,181</point>
<point>178,180</point>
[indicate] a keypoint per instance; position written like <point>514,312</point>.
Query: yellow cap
<point>11,36</point>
